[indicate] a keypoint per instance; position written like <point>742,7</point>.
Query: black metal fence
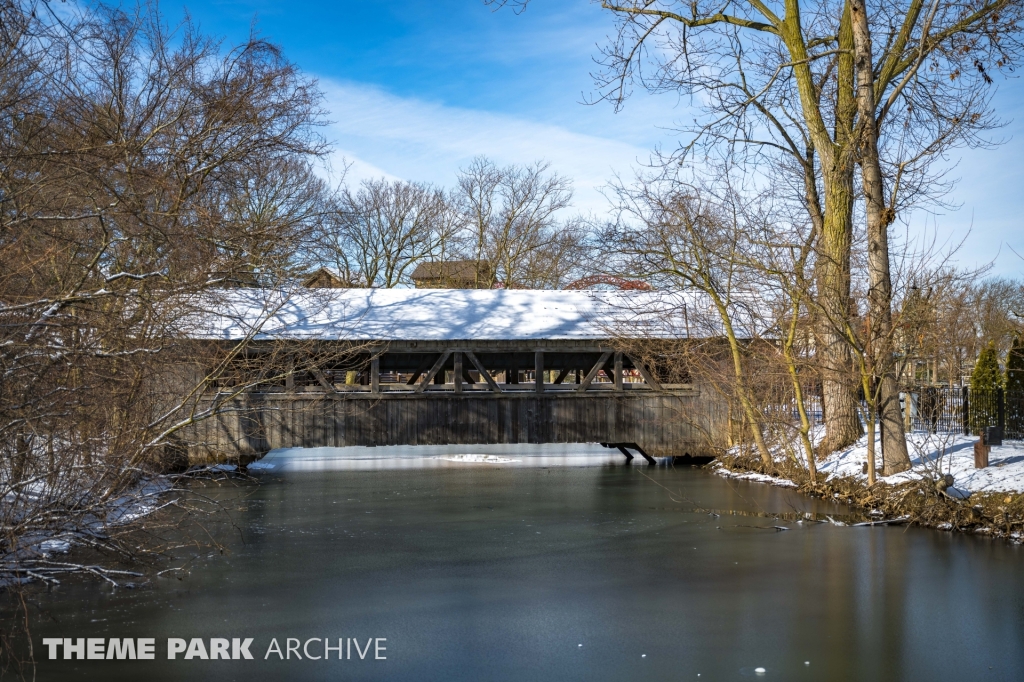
<point>938,409</point>
<point>961,410</point>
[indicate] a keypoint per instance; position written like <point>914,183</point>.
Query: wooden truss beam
<point>648,377</point>
<point>422,386</point>
<point>483,372</point>
<point>593,371</point>
<point>322,380</point>
<point>419,370</point>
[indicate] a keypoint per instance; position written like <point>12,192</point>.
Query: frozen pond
<point>556,564</point>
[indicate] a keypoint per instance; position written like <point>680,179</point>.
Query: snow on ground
<point>142,500</point>
<point>931,456</point>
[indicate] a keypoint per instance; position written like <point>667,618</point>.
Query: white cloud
<point>356,169</point>
<point>419,140</point>
<point>382,134</point>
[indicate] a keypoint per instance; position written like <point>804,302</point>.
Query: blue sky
<point>416,89</point>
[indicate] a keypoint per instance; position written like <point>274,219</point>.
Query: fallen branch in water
<point>45,570</point>
<point>885,522</point>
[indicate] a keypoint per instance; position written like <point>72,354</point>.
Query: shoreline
<point>988,502</point>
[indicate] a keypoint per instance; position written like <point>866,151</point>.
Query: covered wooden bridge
<point>436,367</point>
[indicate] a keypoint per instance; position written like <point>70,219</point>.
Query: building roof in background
<point>326,278</point>
<point>447,315</point>
<point>454,270</point>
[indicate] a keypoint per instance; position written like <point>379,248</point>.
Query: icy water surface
<point>481,568</point>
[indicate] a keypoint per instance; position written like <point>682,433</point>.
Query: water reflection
<point>501,571</point>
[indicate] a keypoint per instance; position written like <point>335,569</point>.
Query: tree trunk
<point>805,421</point>
<point>895,457</point>
<point>742,390</point>
<point>842,426</point>
<point>879,341</point>
<point>832,265</point>
<point>871,446</point>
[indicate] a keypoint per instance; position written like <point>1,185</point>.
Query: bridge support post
<point>457,359</point>
<point>538,371</point>
<point>625,447</point>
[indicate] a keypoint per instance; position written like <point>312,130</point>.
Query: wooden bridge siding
<point>660,423</point>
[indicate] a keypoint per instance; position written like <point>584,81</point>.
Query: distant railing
<point>940,409</point>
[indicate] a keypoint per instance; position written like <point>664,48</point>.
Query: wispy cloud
<point>419,140</point>
<point>382,134</point>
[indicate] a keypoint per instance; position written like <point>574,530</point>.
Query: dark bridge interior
<point>437,393</point>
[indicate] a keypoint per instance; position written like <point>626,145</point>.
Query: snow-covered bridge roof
<point>446,315</point>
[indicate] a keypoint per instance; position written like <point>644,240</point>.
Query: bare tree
<point>678,235</point>
<point>133,167</point>
<point>778,86</point>
<point>268,218</point>
<point>511,221</point>
<point>379,232</point>
<point>995,303</point>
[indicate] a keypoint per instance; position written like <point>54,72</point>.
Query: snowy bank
<point>931,456</point>
<point>32,556</point>
<point>985,501</point>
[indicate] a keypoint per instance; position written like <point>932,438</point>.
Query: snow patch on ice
<point>478,459</point>
<point>211,468</point>
<point>54,546</point>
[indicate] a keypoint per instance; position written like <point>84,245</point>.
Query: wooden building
<point>325,278</point>
<point>453,274</point>
<point>410,366</point>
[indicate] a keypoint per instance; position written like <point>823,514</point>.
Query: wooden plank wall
<point>664,424</point>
